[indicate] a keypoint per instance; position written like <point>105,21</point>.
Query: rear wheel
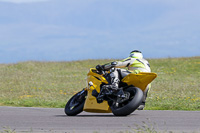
<point>75,105</point>
<point>127,107</point>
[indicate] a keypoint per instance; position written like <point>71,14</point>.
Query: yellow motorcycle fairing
<point>140,80</point>
<point>91,104</point>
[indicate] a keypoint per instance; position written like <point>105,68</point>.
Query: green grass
<point>51,84</point>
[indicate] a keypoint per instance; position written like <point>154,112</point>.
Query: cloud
<point>22,1</point>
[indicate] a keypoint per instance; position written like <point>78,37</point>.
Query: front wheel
<point>75,105</point>
<point>127,107</point>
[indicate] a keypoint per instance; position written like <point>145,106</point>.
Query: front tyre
<point>75,105</point>
<point>127,107</point>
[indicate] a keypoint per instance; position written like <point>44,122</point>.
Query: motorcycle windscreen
<point>140,80</point>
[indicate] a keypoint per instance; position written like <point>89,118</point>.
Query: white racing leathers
<point>134,66</point>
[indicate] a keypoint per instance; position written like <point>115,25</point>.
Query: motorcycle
<point>100,97</point>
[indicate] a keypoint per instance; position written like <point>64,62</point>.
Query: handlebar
<point>100,69</point>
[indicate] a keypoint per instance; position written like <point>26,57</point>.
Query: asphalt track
<point>23,119</point>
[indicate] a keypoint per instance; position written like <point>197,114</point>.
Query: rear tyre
<point>127,107</point>
<point>75,105</point>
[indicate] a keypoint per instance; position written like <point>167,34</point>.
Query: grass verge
<point>51,84</point>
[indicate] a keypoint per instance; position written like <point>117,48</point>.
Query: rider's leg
<point>118,74</point>
<point>115,79</point>
<point>124,73</point>
<point>141,107</point>
<point>145,92</point>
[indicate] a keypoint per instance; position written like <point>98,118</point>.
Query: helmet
<point>136,54</point>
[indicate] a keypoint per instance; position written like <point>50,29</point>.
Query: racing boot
<point>141,107</point>
<point>119,91</point>
<point>114,86</point>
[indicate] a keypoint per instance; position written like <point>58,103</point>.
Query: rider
<point>135,64</point>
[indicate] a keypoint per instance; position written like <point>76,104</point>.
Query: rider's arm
<point>119,64</point>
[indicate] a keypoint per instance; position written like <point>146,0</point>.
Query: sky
<point>67,30</point>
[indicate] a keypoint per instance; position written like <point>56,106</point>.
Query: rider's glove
<point>100,67</point>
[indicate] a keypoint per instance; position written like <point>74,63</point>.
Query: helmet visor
<point>136,55</point>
